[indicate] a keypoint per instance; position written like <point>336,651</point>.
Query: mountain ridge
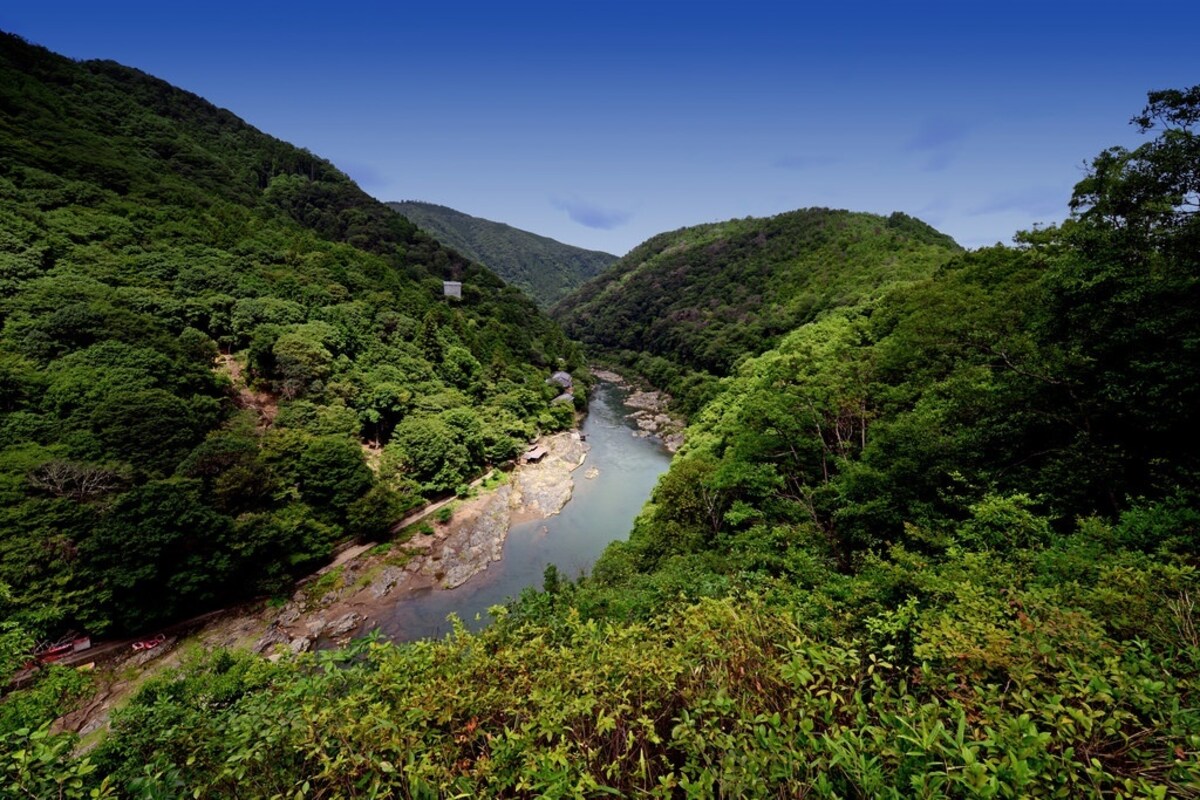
<point>703,296</point>
<point>544,267</point>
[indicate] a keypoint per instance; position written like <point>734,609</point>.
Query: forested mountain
<point>545,268</point>
<point>1030,403</point>
<point>143,233</point>
<point>940,542</point>
<point>686,305</point>
<point>937,540</point>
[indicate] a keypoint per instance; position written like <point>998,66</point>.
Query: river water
<point>601,510</point>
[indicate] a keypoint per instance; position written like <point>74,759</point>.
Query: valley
<point>495,546</point>
<point>848,511</point>
<point>610,486</point>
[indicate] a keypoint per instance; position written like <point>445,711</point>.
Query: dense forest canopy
<point>1032,386</point>
<point>143,234</point>
<point>685,306</point>
<point>545,268</point>
<point>938,538</point>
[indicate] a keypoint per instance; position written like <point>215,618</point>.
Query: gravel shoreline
<point>347,600</point>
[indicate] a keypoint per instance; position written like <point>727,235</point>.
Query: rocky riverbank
<point>345,599</point>
<point>649,412</point>
<point>365,582</point>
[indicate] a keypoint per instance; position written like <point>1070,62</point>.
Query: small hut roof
<point>562,379</point>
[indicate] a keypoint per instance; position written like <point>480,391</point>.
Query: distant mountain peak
<point>546,269</point>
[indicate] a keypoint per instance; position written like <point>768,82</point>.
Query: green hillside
<point>698,299</point>
<point>939,539</point>
<point>940,544</point>
<point>143,233</point>
<point>545,268</point>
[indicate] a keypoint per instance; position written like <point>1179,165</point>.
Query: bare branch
<point>80,482</point>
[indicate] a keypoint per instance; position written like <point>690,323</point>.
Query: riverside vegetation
<point>143,232</point>
<point>936,539</point>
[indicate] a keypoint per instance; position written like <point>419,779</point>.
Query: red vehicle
<point>149,644</point>
<point>50,651</point>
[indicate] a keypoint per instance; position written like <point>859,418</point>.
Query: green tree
<point>151,429</point>
<point>371,516</point>
<point>158,554</point>
<point>430,452</point>
<point>460,368</point>
<point>1126,297</point>
<point>299,363</point>
<point>333,474</point>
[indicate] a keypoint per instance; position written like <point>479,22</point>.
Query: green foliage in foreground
<point>545,268</point>
<point>142,233</point>
<point>1069,671</point>
<point>34,762</point>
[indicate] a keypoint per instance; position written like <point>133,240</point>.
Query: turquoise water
<point>601,510</point>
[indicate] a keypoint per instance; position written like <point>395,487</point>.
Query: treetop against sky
<point>601,124</point>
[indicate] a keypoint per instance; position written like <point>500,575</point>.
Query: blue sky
<point>603,123</point>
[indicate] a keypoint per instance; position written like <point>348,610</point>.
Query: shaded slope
<point>545,268</point>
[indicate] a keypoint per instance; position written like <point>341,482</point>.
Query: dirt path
<point>423,512</point>
<point>413,517</point>
<point>119,670</point>
<point>264,404</point>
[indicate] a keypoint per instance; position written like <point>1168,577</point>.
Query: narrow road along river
<point>601,510</point>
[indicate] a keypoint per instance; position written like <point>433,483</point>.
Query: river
<point>601,510</point>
